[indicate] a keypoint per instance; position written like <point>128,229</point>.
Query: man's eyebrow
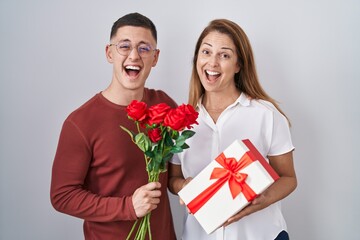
<point>129,41</point>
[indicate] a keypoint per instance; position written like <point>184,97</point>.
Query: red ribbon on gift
<point>228,173</point>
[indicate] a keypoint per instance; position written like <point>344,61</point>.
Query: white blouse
<point>268,130</point>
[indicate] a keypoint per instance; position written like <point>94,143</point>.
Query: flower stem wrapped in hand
<point>163,135</point>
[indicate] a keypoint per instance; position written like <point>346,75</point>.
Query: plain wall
<point>52,59</point>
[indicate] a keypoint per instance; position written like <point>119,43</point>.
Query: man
<point>98,172</point>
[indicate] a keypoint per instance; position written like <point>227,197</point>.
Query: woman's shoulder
<point>264,104</point>
<point>258,104</point>
<point>268,108</point>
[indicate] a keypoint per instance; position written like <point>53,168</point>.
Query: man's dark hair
<point>135,20</point>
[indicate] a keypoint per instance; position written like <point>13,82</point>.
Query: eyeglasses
<point>125,48</point>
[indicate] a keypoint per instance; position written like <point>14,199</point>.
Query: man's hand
<point>146,198</point>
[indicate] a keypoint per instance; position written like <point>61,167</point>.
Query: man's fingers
<point>146,198</point>
<point>152,186</point>
<point>151,190</point>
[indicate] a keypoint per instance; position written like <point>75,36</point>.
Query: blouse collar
<point>243,99</point>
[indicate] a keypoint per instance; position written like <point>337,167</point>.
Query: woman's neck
<point>219,102</point>
<point>215,103</point>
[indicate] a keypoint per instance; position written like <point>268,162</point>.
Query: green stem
<point>132,229</point>
<point>146,160</point>
<point>149,228</point>
<point>154,176</point>
<point>144,226</point>
<point>137,126</point>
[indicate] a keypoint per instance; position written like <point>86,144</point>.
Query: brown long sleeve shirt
<point>97,168</point>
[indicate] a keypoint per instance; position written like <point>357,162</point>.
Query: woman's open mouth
<point>212,76</point>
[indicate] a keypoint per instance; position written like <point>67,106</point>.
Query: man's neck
<point>123,97</point>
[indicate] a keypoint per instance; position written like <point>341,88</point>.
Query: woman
<point>232,105</point>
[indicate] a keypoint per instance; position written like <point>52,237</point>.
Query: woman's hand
<point>257,204</point>
<point>284,166</point>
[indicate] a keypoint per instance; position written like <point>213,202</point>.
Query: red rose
<point>155,135</point>
<point>191,115</point>
<point>175,119</point>
<point>137,110</point>
<point>157,113</point>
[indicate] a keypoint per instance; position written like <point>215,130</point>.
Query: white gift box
<point>214,200</point>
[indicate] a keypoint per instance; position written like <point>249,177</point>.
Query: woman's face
<point>217,62</point>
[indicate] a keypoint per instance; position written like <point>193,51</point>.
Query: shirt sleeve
<point>176,159</point>
<point>281,142</point>
<point>68,194</point>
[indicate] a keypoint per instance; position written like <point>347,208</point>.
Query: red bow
<point>228,173</point>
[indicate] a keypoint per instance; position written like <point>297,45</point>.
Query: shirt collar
<point>243,99</point>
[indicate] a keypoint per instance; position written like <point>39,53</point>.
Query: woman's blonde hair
<point>246,80</point>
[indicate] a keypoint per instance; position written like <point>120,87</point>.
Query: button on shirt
<point>246,118</point>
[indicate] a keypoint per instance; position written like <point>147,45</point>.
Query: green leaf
<point>176,149</point>
<point>180,141</point>
<point>187,133</point>
<point>168,157</point>
<point>158,158</point>
<point>143,142</point>
<point>150,154</point>
<point>150,166</point>
<point>185,146</point>
<point>168,140</point>
<point>174,134</point>
<point>131,133</point>
<point>162,166</point>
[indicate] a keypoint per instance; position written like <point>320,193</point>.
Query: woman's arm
<point>176,180</point>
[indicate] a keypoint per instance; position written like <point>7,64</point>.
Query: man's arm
<point>70,167</point>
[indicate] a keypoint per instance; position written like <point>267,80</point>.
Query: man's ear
<point>109,54</point>
<point>156,57</point>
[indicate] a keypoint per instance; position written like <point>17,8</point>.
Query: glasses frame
<point>132,48</point>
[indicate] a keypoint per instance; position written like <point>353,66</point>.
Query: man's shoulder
<point>86,109</point>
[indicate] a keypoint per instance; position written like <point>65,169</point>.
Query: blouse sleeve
<point>281,142</point>
<point>176,159</point>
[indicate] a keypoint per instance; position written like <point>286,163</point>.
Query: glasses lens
<point>144,50</point>
<point>124,48</point>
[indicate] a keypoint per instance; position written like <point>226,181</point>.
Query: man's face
<point>133,53</point>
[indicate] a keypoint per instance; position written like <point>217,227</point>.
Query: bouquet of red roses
<point>163,134</point>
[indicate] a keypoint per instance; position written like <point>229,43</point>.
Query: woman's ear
<point>238,68</point>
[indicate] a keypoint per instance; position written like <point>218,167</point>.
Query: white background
<point>307,53</point>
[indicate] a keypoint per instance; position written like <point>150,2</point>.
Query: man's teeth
<point>132,68</point>
<point>212,73</point>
